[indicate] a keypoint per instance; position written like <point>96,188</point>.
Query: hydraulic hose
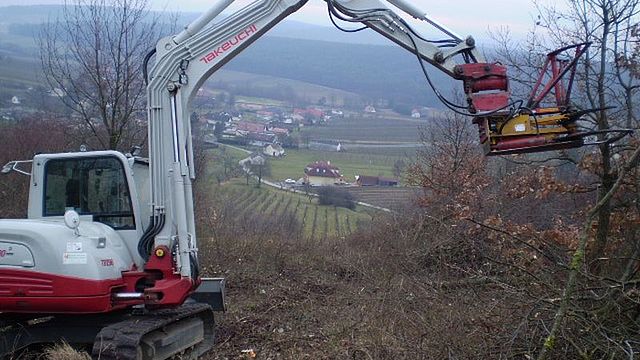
<point>145,65</point>
<point>142,248</point>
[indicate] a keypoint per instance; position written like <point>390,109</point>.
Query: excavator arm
<point>184,61</point>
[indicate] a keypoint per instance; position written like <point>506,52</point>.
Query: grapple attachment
<point>507,129</point>
<point>547,129</point>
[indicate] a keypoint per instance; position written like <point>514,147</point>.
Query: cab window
<point>90,186</point>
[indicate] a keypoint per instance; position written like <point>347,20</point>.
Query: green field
<point>21,71</point>
<point>350,164</point>
<point>259,101</point>
<point>368,129</point>
<point>316,221</point>
<point>407,153</point>
<point>214,155</point>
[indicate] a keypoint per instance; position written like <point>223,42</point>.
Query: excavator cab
<point>95,186</point>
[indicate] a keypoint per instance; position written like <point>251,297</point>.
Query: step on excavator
<point>108,259</point>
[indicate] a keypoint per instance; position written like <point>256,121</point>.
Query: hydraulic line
<point>142,247</point>
<point>145,67</point>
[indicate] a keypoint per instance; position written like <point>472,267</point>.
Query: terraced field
<point>386,197</point>
<point>317,222</point>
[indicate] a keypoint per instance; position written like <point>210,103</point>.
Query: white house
<point>274,150</point>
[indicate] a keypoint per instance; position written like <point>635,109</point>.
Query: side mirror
<point>72,220</point>
<point>8,167</point>
<point>13,166</point>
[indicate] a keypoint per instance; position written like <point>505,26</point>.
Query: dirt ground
<point>345,301</point>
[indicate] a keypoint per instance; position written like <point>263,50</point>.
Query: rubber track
<point>120,341</point>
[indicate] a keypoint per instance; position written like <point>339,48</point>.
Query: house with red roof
<point>322,173</point>
<point>245,127</point>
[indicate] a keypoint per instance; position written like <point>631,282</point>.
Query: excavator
<point>108,258</point>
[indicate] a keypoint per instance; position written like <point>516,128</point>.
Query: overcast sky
<point>463,16</point>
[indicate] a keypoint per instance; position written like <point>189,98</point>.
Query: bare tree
<point>450,154</point>
<point>603,268</point>
<point>607,80</point>
<point>93,57</point>
<point>20,141</point>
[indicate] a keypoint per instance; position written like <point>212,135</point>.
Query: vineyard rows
<point>316,221</point>
<point>386,197</point>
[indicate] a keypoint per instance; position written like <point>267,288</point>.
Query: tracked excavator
<point>108,256</point>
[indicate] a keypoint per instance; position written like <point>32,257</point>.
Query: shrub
<point>330,195</point>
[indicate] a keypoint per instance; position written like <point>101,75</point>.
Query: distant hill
<point>34,14</point>
<point>292,50</point>
<point>371,70</point>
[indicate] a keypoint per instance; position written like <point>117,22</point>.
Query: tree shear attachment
<point>533,128</point>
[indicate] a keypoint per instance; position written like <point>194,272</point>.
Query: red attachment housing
<point>486,86</point>
<point>520,143</point>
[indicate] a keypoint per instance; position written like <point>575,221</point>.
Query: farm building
<point>322,173</point>
<point>260,139</point>
<point>245,127</point>
<point>369,109</point>
<point>365,180</point>
<point>279,131</point>
<point>311,112</point>
<point>274,150</point>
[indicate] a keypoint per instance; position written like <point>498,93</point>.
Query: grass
<point>386,293</point>
<point>64,351</point>
<point>350,164</point>
<point>407,153</point>
<point>215,154</point>
<point>386,197</point>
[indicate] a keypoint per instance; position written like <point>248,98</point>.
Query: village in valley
<point>275,156</point>
<point>270,130</point>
